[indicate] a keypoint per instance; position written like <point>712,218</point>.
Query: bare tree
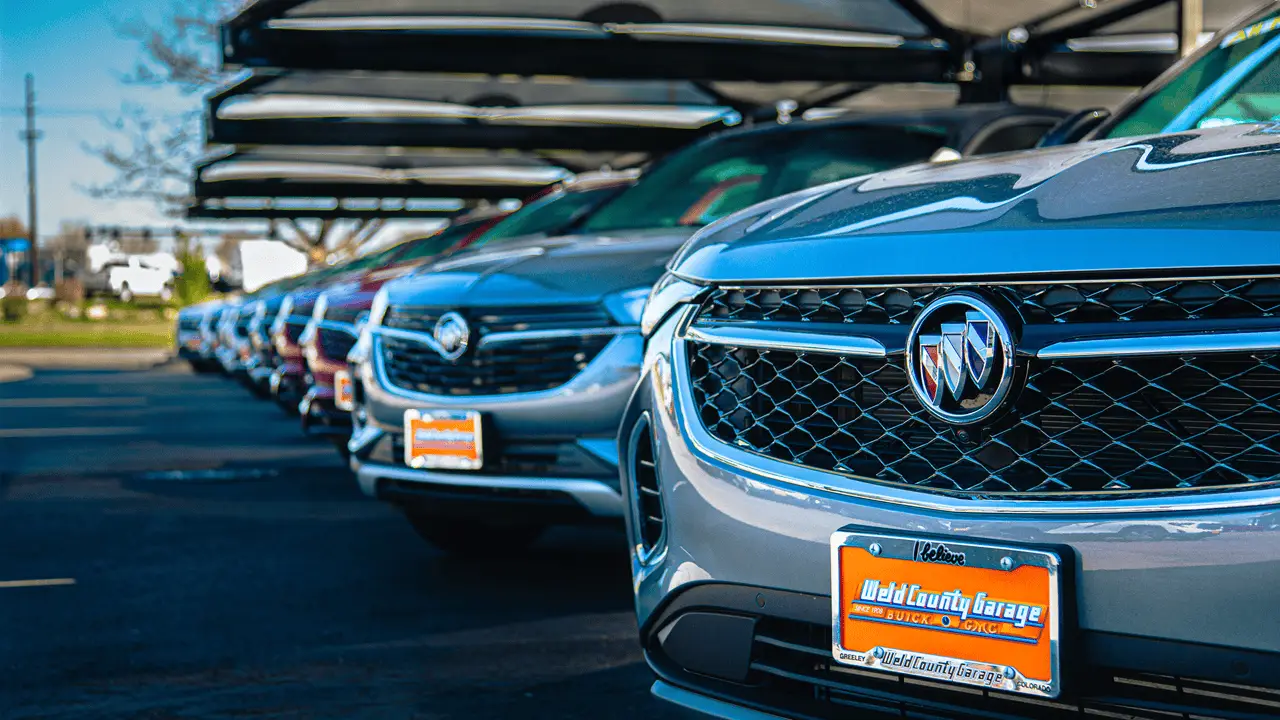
<point>156,154</point>
<point>155,157</point>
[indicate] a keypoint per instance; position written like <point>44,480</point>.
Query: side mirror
<point>1074,127</point>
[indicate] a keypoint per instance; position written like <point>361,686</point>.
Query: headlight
<point>363,348</point>
<point>627,306</point>
<point>669,293</point>
<point>308,337</point>
<point>286,309</point>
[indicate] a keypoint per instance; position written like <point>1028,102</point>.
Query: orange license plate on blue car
<point>967,613</point>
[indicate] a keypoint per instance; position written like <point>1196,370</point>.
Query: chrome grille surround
<point>1065,302</point>
<point>516,350</point>
<point>1106,426</point>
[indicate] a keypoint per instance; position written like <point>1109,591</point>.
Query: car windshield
<point>1236,82</point>
<point>551,214</point>
<point>721,176</point>
<point>424,248</point>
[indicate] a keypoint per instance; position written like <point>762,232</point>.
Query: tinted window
<point>425,247</point>
<point>549,215</point>
<point>1021,135</point>
<point>1251,52</point>
<point>712,179</point>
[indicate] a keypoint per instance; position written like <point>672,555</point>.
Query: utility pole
<point>30,136</point>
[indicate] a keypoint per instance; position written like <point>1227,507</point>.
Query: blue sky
<point>72,48</point>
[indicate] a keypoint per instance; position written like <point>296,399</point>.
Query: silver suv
<point>490,385</point>
<point>972,441</point>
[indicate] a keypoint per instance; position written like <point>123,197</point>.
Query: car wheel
<point>473,538</point>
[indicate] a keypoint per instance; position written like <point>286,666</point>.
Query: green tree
<point>192,284</point>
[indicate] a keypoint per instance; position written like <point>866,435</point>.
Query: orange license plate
<point>449,439</point>
<point>344,396</point>
<point>973,614</point>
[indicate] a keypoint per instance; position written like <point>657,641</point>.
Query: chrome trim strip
<point>742,463</point>
<point>790,340</point>
<point>411,336</point>
<point>595,495</point>
<point>1162,345</point>
<point>500,338</point>
<point>970,282</point>
<point>336,326</point>
<point>706,705</point>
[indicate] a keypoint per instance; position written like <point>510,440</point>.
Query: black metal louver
<point>650,519</point>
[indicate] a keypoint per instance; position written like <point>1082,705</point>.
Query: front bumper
<point>319,414</point>
<point>548,445</point>
<point>229,359</point>
<point>1182,591</point>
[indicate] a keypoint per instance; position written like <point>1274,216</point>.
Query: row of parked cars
<point>890,431</point>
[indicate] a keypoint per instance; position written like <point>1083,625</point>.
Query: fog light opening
<point>647,512</point>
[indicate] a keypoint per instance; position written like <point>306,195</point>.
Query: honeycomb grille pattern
<point>1221,299</point>
<point>493,370</point>
<point>335,344</point>
<point>529,365</point>
<point>1078,426</point>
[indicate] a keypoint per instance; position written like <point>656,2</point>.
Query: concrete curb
<point>84,358</point>
<point>14,373</point>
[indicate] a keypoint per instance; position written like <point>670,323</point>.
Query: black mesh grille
<point>792,671</point>
<point>1131,424</point>
<point>188,323</point>
<point>335,344</point>
<point>293,331</point>
<point>1037,304</point>
<point>525,366</point>
<point>497,369</point>
<point>343,315</point>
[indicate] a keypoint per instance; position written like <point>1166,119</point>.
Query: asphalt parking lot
<point>135,583</point>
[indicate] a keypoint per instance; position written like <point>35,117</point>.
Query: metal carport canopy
<point>743,40</point>
<point>980,45</point>
<point>445,111</point>
<point>339,182</point>
<point>269,208</point>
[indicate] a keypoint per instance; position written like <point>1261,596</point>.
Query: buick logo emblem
<point>452,334</point>
<point>960,358</point>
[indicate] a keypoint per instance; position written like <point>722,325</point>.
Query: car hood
<point>570,269</point>
<point>1196,200</point>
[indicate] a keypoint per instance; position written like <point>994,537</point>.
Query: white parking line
<point>73,402</point>
<point>68,432</point>
<point>47,582</point>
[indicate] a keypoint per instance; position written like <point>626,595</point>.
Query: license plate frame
<point>344,397</point>
<point>865,636</point>
<point>453,450</point>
